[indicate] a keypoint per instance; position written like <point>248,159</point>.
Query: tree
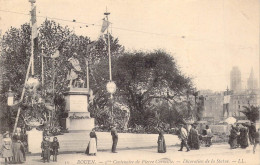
<point>143,77</point>
<point>251,112</point>
<point>52,36</point>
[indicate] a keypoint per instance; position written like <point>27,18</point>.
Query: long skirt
<point>233,142</point>
<point>7,153</point>
<point>92,146</point>
<point>161,147</point>
<point>18,155</point>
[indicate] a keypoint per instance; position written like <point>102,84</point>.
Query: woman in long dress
<point>21,138</point>
<point>46,146</point>
<point>233,137</point>
<point>18,151</point>
<point>92,145</point>
<point>193,138</point>
<point>161,143</point>
<point>7,148</point>
<point>243,137</point>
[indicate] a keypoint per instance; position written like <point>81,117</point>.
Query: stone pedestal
<point>77,109</point>
<point>34,141</point>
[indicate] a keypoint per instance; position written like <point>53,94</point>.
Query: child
<point>256,137</point>
<point>7,152</point>
<point>55,146</point>
<point>46,149</point>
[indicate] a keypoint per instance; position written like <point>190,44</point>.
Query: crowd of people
<point>190,138</point>
<point>243,135</point>
<point>14,147</point>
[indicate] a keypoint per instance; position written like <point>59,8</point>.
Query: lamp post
<point>10,97</point>
<point>111,86</point>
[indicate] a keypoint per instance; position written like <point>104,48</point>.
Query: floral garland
<point>74,116</point>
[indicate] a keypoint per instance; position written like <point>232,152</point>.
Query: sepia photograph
<point>129,82</point>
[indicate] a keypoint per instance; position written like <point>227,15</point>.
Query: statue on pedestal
<point>74,77</point>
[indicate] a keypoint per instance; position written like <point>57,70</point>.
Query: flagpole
<point>109,58</point>
<point>30,66</point>
<point>32,44</point>
<point>87,75</point>
<point>43,90</point>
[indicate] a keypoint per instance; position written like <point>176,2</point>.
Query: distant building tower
<point>252,81</point>
<point>235,79</point>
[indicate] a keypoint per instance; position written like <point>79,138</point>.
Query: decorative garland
<point>74,116</point>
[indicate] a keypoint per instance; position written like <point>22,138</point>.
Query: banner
<point>104,25</point>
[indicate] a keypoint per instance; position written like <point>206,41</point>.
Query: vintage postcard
<point>129,82</point>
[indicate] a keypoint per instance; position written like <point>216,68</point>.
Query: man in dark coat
<point>114,138</point>
<point>252,131</point>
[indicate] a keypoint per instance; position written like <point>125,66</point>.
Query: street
<point>216,154</point>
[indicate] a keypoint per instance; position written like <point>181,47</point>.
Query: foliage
<point>142,78</point>
<point>251,112</point>
<point>17,50</point>
<point>149,83</point>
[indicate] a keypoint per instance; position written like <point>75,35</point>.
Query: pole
<point>43,90</point>
<point>21,99</point>
<point>32,44</point>
<point>109,58</point>
<point>87,75</point>
<point>53,90</point>
<point>109,54</point>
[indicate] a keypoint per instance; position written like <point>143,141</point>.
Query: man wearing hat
<point>183,135</point>
<point>114,138</point>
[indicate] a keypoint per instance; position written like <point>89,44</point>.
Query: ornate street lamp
<point>10,97</point>
<point>111,87</point>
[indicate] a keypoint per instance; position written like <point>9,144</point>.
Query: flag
<point>34,23</point>
<point>104,25</point>
<point>34,29</point>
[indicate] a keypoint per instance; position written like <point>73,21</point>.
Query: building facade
<point>244,98</point>
<point>213,105</point>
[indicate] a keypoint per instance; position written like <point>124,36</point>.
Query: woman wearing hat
<point>46,146</point>
<point>161,143</point>
<point>7,147</point>
<point>18,150</point>
<point>92,145</point>
<point>193,138</point>
<point>233,137</point>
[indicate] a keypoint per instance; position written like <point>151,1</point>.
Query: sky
<point>206,37</point>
